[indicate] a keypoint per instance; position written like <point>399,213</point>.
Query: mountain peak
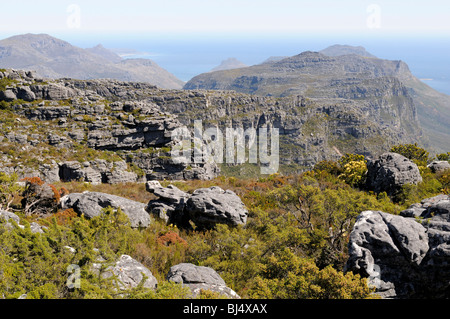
<point>339,49</point>
<point>228,64</point>
<point>109,55</point>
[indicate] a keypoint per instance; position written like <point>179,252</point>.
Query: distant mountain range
<point>340,72</point>
<point>339,49</point>
<point>54,58</point>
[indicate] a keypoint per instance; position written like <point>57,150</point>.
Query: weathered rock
<point>52,91</point>
<point>7,95</point>
<point>206,207</point>
<point>209,206</point>
<point>6,216</point>
<point>71,170</point>
<point>92,176</point>
<point>404,257</point>
<point>49,172</point>
<point>47,113</point>
<point>129,273</point>
<point>391,171</point>
<point>118,176</point>
<point>17,138</point>
<point>170,204</point>
<point>96,172</point>
<point>421,209</point>
<point>91,204</point>
<point>26,94</point>
<point>198,278</point>
<point>439,166</point>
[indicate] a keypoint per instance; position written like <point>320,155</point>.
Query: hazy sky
<point>228,16</point>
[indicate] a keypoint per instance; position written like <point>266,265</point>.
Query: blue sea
<point>189,55</point>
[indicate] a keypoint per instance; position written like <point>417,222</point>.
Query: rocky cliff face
<point>62,128</point>
<point>346,73</point>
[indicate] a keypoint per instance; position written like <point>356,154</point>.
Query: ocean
<point>189,55</point>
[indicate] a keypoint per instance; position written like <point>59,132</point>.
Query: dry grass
<point>133,191</point>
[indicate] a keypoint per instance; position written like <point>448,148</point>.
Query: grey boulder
<point>391,171</point>
<point>170,203</point>
<point>209,206</point>
<point>91,204</point>
<point>404,256</point>
<point>198,278</point>
<point>129,273</point>
<point>439,166</point>
<point>205,207</point>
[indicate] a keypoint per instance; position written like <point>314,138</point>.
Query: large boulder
<point>170,203</point>
<point>439,166</point>
<point>404,256</point>
<point>391,171</point>
<point>205,207</point>
<point>199,278</point>
<point>91,204</point>
<point>129,273</point>
<point>209,206</point>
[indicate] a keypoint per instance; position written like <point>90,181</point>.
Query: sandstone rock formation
<point>81,119</point>
<point>404,256</point>
<point>198,278</point>
<point>170,204</point>
<point>348,73</point>
<point>209,206</point>
<point>91,204</point>
<point>205,207</point>
<point>391,171</point>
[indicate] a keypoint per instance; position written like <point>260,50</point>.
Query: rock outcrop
<point>92,119</point>
<point>205,207</point>
<point>128,272</point>
<point>404,256</point>
<point>91,204</point>
<point>7,216</point>
<point>170,204</point>
<point>80,119</point>
<point>439,166</point>
<point>391,171</point>
<point>209,206</point>
<point>198,278</point>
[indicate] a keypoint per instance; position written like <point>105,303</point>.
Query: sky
<point>361,17</point>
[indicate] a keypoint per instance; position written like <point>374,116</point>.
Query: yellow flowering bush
<point>354,173</point>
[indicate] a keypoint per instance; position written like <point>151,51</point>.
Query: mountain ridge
<point>344,76</point>
<point>54,58</point>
